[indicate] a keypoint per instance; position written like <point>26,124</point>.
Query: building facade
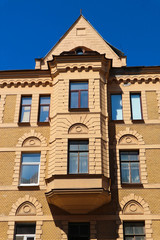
<point>80,145</point>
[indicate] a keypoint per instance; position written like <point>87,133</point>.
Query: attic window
<point>79,51</point>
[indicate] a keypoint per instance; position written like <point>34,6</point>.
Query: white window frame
<point>26,236</point>
<point>30,163</point>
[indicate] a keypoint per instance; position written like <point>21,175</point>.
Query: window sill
<point>79,109</point>
<point>117,121</point>
<point>24,124</point>
<point>29,186</point>
<point>43,123</point>
<point>132,185</point>
<point>137,121</point>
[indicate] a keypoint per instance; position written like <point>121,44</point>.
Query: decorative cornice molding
<point>146,78</point>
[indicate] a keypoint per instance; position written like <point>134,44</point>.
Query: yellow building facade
<point>80,145</point>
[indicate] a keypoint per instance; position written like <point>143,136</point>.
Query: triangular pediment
<point>82,34</point>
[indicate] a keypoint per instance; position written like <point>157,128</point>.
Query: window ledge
<point>43,123</point>
<point>117,121</point>
<point>79,109</point>
<point>29,187</point>
<point>132,185</point>
<point>137,121</point>
<point>24,124</point>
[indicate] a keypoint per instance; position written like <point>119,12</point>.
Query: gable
<point>82,34</point>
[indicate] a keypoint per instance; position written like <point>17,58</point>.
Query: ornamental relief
<point>128,139</point>
<point>26,209</point>
<point>32,142</point>
<point>78,128</point>
<point>133,207</point>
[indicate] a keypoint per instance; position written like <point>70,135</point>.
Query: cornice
<point>61,64</point>
<point>140,78</point>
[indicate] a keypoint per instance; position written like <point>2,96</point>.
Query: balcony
<point>78,194</point>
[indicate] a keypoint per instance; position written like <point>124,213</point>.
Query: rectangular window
<point>78,95</point>
<point>30,165</point>
<point>134,231</point>
<point>78,157</point>
<point>136,110</point>
<point>25,231</point>
<point>129,167</point>
<point>79,231</point>
<point>44,106</point>
<point>25,109</point>
<point>116,105</point>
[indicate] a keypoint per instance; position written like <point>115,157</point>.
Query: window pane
<point>19,238</point>
<point>83,162</point>
<point>74,145</point>
<point>136,106</point>
<point>83,146</point>
<point>84,99</point>
<point>139,238</point>
<point>29,174</point>
<point>135,173</point>
<point>79,86</point>
<point>30,157</point>
<point>25,228</point>
<point>45,100</point>
<point>74,100</point>
<point>73,162</point>
<point>124,156</point>
<point>26,100</point>
<point>129,229</point>
<point>116,102</point>
<point>44,114</point>
<point>129,238</point>
<point>139,230</point>
<point>125,172</point>
<point>30,238</point>
<point>25,114</point>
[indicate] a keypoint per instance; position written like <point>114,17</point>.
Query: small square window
<point>116,107</point>
<point>78,95</point>
<point>78,157</point>
<point>136,108</point>
<point>134,231</point>
<point>25,110</point>
<point>30,165</point>
<point>129,167</point>
<point>25,231</point>
<point>44,106</point>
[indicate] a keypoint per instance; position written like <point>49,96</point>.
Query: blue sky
<point>30,28</point>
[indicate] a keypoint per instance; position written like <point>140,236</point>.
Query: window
<point>78,157</point>
<point>129,167</point>
<point>44,105</point>
<point>25,231</point>
<point>78,231</point>
<point>136,110</point>
<point>25,109</point>
<point>30,169</point>
<point>78,95</point>
<point>116,105</point>
<point>134,231</point>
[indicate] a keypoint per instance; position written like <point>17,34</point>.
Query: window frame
<point>130,161</point>
<point>25,236</point>
<point>79,96</point>
<point>134,224</point>
<point>25,105</point>
<point>140,98</point>
<point>113,94</point>
<point>77,140</point>
<point>39,109</point>
<point>29,163</point>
